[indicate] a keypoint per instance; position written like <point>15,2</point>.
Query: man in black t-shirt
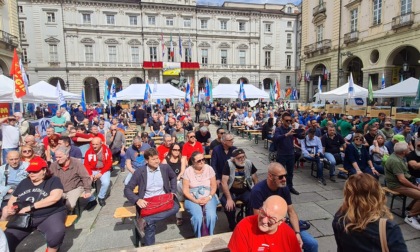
<point>413,159</point>
<point>332,143</point>
<point>218,141</point>
<point>239,175</point>
<point>156,127</point>
<point>141,118</point>
<point>203,136</point>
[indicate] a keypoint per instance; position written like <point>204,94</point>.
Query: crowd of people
<point>47,175</point>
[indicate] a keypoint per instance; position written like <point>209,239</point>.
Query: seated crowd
<point>47,176</point>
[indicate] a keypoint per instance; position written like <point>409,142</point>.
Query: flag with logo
<point>207,90</point>
<point>16,72</point>
<point>272,94</point>
<point>211,90</point>
<point>192,90</point>
<point>172,49</point>
<point>113,93</point>
<point>106,92</point>
<point>370,90</point>
<point>147,92</point>
<point>60,96</point>
<point>242,94</point>
<point>383,81</point>
<point>295,94</point>
<point>187,91</point>
<point>82,101</point>
<point>351,86</point>
<point>24,75</point>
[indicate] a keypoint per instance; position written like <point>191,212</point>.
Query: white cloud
<point>220,2</point>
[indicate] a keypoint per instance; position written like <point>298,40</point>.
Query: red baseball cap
<point>36,164</point>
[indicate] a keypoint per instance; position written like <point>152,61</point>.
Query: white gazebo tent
<point>406,88</point>
<point>136,92</point>
<point>232,91</point>
<point>341,93</point>
<point>7,90</point>
<point>46,93</point>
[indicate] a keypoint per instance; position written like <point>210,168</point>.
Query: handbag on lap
<point>158,204</point>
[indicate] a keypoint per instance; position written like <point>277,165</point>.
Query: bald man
<point>11,174</point>
<point>265,231</point>
<point>275,184</point>
<point>98,162</point>
<point>39,149</point>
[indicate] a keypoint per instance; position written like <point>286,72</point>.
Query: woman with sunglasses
<point>356,224</point>
<point>40,194</point>
<point>199,188</point>
<point>174,160</point>
<point>378,150</point>
<point>357,158</point>
<point>27,153</point>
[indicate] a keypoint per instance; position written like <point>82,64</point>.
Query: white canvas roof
<point>136,92</point>
<point>7,90</point>
<point>45,92</point>
<point>406,88</point>
<point>343,92</point>
<point>232,91</point>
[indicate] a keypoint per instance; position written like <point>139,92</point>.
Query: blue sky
<point>220,2</point>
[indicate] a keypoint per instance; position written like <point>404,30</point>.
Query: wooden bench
<point>266,143</point>
<point>256,136</point>
<point>68,223</point>
<point>393,195</point>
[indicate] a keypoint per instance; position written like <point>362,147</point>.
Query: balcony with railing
<point>319,9</point>
<point>403,20</point>
<point>320,46</point>
<point>351,37</point>
<point>8,39</point>
<point>105,64</point>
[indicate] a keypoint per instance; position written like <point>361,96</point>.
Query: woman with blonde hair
<point>356,223</point>
<point>27,153</point>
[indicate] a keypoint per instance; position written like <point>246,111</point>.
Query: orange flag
<point>15,71</point>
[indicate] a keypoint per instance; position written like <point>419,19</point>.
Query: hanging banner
<point>4,109</point>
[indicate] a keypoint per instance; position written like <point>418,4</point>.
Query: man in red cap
<point>98,162</point>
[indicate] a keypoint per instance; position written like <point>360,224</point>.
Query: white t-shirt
<point>249,121</point>
<point>11,136</point>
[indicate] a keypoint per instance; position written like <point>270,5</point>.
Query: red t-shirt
<point>248,237</point>
<point>188,149</point>
<point>163,151</point>
<point>46,141</point>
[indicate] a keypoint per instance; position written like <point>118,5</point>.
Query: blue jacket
<point>21,175</point>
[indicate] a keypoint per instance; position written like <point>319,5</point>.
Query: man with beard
<point>275,184</point>
<point>239,175</point>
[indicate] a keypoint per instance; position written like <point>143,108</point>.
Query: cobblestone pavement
<point>97,230</point>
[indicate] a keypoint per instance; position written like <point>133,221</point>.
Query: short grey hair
<point>204,129</point>
<point>226,135</point>
<point>166,136</point>
<point>400,147</point>
<point>64,150</point>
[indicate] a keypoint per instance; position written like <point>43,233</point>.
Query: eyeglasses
<point>191,137</point>
<point>271,220</point>
<point>228,140</point>
<point>280,177</point>
<point>221,133</point>
<point>200,160</point>
<point>176,149</point>
<point>289,121</point>
<point>26,151</point>
<point>240,157</point>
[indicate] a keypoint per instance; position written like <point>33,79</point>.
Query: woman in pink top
<point>199,188</point>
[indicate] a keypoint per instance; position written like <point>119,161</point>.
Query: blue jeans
<point>310,244</point>
<point>332,161</point>
<point>244,197</point>
<point>288,161</point>
<point>150,228</point>
<point>365,169</point>
<point>378,166</point>
<point>129,176</point>
<point>122,161</point>
<point>155,133</point>
<point>319,165</point>
<point>196,213</point>
<point>105,182</point>
<point>4,153</point>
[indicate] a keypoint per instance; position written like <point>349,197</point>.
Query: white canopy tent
<point>46,93</point>
<point>232,91</point>
<point>7,90</point>
<point>406,88</point>
<point>136,92</point>
<point>341,93</point>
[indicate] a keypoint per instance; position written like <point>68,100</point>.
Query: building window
<point>24,55</point>
<point>51,17</point>
<point>151,20</point>
<point>319,33</point>
<point>20,8</point>
<point>133,20</point>
<point>187,54</point>
<point>22,29</point>
<point>377,11</point>
<point>289,39</point>
<point>223,25</point>
<point>135,54</point>
<point>267,61</point>
<point>112,54</point>
<point>353,20</point>
<point>241,26</point>
<point>203,24</point>
<point>242,57</point>
<point>289,9</point>
<point>53,53</point>
<point>288,61</point>
<point>153,53</point>
<point>267,27</point>
<point>204,56</point>
<point>110,19</point>
<point>89,53</point>
<point>287,80</point>
<point>187,22</point>
<point>405,6</point>
<point>86,18</point>
<point>169,22</point>
<point>171,59</point>
<point>223,57</point>
<point>289,24</point>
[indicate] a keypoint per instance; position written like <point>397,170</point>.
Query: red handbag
<point>158,204</point>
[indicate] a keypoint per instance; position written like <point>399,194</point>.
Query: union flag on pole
<point>16,72</point>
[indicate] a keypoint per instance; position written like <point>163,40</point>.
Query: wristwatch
<point>210,196</point>
<point>32,207</point>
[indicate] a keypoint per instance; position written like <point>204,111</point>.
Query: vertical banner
<point>4,109</point>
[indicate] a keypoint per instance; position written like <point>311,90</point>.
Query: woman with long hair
<point>52,146</point>
<point>378,150</point>
<point>356,223</point>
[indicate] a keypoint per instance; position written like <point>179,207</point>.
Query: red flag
<point>192,87</point>
<point>15,71</point>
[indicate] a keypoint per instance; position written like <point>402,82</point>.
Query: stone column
<point>160,76</point>
<point>195,82</point>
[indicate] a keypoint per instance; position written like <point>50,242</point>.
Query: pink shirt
<point>200,179</point>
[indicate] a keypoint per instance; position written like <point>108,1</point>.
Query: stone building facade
<point>9,32</point>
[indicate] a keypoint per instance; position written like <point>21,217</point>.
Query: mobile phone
<point>299,131</point>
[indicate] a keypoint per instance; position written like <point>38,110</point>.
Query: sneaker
<point>412,221</point>
<point>322,181</point>
<point>327,162</point>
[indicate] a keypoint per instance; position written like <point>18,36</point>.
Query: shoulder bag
<point>158,204</point>
<point>382,235</point>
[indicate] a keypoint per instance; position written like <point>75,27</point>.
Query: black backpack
<point>31,128</point>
